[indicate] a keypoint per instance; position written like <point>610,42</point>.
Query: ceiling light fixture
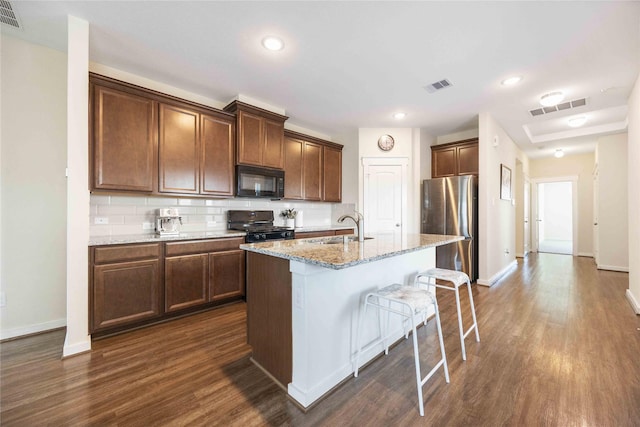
<point>559,153</point>
<point>399,116</point>
<point>511,81</point>
<point>551,99</point>
<point>576,122</point>
<point>272,43</point>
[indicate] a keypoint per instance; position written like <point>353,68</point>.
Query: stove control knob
<point>264,236</point>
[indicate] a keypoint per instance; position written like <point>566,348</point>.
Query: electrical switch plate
<point>102,220</point>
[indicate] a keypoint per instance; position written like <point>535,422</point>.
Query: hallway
<point>559,346</point>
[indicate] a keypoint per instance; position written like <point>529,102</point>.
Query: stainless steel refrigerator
<point>450,206</point>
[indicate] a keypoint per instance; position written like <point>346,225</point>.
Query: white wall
<point>580,165</point>
<point>407,145</point>
<point>633,147</point>
<point>613,230</point>
<point>496,217</point>
<point>33,187</point>
<point>520,180</point>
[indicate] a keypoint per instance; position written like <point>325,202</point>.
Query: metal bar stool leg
<point>473,311</point>
<point>461,331</point>
<point>416,356</point>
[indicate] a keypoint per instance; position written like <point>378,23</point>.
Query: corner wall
<point>496,217</point>
<point>33,183</point>
<point>633,293</point>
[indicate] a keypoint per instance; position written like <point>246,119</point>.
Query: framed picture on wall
<point>505,182</point>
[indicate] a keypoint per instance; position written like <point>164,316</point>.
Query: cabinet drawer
<point>202,246</point>
<point>310,234</point>
<point>104,255</point>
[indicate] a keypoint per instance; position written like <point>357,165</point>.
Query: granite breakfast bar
<point>303,300</point>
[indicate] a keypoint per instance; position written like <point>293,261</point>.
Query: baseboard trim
<point>498,275</point>
<point>77,348</point>
<point>586,254</point>
<point>32,329</point>
<point>613,268</point>
<point>633,301</point>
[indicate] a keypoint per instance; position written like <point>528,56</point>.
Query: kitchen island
<point>303,300</point>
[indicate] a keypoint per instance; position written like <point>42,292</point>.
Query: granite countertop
<point>154,238</point>
<point>331,252</point>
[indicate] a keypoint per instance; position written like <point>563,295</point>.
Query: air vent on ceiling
<point>559,107</point>
<point>8,16</point>
<point>439,85</point>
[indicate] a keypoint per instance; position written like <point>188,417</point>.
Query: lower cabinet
<point>136,284</point>
<point>126,285</point>
<point>324,233</point>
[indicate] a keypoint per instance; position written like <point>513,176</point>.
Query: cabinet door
<point>293,184</point>
<point>186,281</point>
<point>312,171</point>
<point>468,159</point>
<point>217,160</point>
<point>123,141</point>
<point>124,293</point>
<point>226,275</point>
<point>273,154</point>
<point>332,175</point>
<point>179,156</point>
<point>443,162</point>
<point>250,138</point>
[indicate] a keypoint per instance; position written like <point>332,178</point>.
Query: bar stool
<point>457,279</point>
<point>416,301</point>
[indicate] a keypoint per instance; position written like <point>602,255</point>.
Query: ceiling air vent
<point>8,16</point>
<point>559,107</point>
<point>439,85</point>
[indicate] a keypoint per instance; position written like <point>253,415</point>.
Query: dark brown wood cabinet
<point>456,158</point>
<point>202,271</point>
<point>127,281</point>
<point>123,139</point>
<point>332,173</point>
<point>145,141</point>
<point>139,284</point>
<point>323,233</point>
<point>260,135</point>
<point>313,168</point>
<point>179,155</point>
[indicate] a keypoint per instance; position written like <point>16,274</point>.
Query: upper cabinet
<point>456,158</point>
<point>260,135</point>
<point>145,141</point>
<point>312,167</point>
<point>123,133</point>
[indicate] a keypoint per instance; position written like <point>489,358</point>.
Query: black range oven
<point>258,225</point>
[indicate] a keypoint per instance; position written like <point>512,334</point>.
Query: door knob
<point>397,225</point>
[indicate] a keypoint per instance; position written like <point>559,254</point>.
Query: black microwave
<point>254,181</point>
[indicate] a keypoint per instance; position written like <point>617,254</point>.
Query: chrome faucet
<point>359,220</point>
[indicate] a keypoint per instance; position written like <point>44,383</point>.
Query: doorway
<point>556,215</point>
<point>385,195</point>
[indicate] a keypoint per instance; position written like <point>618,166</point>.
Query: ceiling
<point>348,65</point>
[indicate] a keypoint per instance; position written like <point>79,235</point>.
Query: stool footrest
<point>432,371</point>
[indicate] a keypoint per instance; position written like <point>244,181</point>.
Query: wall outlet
<point>148,226</point>
<point>3,299</point>
<point>101,220</point>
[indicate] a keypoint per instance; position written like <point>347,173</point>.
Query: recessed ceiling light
<point>576,122</point>
<point>399,116</point>
<point>511,81</point>
<point>272,43</point>
<point>559,153</point>
<point>551,99</point>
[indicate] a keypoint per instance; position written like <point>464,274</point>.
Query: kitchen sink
<point>338,240</point>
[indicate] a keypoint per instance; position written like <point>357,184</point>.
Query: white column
<point>77,339</point>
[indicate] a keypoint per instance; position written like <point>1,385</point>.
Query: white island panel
<point>325,307</point>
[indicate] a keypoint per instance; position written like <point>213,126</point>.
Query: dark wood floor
<point>560,347</point>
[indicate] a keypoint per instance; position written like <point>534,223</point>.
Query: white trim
<point>534,209</point>
<point>586,254</point>
<point>77,348</point>
<point>32,329</point>
<point>492,281</point>
<point>633,301</point>
<point>403,162</point>
<point>613,268</point>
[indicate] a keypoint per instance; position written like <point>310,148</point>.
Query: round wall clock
<point>386,142</point>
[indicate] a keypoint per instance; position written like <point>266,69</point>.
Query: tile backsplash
<point>124,215</point>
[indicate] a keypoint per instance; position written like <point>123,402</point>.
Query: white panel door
<point>383,199</point>
<point>527,209</point>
